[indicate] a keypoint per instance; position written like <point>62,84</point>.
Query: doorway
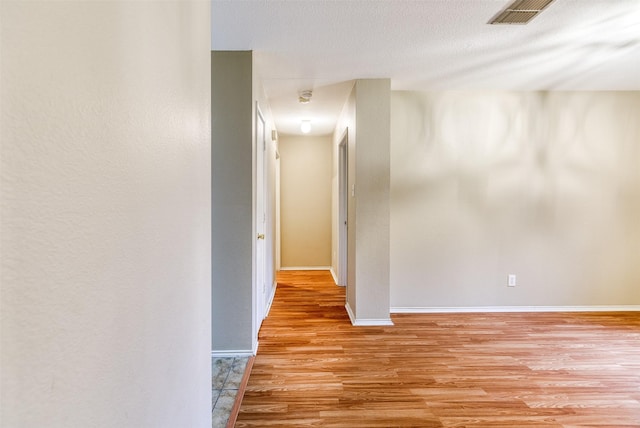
<point>343,203</point>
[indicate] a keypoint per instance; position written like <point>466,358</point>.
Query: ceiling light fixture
<point>304,97</point>
<point>305,126</point>
<point>520,12</point>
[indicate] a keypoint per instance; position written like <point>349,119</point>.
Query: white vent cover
<point>520,12</point>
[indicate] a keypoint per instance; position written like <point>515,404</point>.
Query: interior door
<point>260,219</point>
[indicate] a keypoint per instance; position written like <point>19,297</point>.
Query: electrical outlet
<point>511,280</point>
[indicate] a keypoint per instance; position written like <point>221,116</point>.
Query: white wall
<point>305,201</point>
<point>105,133</point>
<point>542,185</point>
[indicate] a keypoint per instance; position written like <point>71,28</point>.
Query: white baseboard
<point>236,352</point>
<point>366,322</point>
<point>373,322</point>
<point>230,354</point>
<point>306,268</point>
<point>453,309</point>
<point>352,317</point>
<point>271,297</point>
<point>333,274</point>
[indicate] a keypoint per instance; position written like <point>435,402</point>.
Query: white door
<point>260,290</point>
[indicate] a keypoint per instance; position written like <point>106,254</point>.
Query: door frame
<point>343,211</point>
<point>259,284</point>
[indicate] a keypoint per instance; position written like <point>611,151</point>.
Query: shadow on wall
<point>560,50</point>
<point>529,180</point>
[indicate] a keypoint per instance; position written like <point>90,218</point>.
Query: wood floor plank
<point>315,369</point>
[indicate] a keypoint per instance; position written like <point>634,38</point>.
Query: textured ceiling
<point>425,45</point>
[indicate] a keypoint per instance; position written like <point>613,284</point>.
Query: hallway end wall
<point>305,201</point>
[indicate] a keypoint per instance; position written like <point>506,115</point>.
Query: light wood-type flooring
<point>314,368</point>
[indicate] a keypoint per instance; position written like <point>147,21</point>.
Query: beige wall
<point>305,201</point>
<point>542,185</point>
<point>105,214</point>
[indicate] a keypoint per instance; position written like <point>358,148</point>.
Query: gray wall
<point>232,199</point>
<point>542,185</point>
<point>372,198</point>
<point>367,116</point>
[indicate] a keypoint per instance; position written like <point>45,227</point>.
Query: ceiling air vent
<point>520,12</point>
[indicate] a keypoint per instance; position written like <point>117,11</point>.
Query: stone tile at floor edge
<point>220,368</point>
<point>235,375</point>
<point>221,364</point>
<point>219,420</point>
<point>215,393</point>
<point>223,407</point>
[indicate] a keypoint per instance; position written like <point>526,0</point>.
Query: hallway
<point>438,370</point>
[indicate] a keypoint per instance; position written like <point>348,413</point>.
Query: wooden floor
<point>439,370</point>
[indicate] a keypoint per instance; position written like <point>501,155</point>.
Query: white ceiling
<point>425,45</point>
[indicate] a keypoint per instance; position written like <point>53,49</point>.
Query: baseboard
<point>352,317</point>
<point>333,274</point>
<point>236,352</point>
<point>453,309</point>
<point>232,353</point>
<point>366,322</point>
<point>271,297</point>
<point>306,268</point>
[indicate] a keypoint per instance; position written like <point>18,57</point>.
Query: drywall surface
<point>105,133</point>
<point>371,192</point>
<point>305,201</point>
<point>366,119</point>
<point>232,199</point>
<point>346,125</point>
<point>543,185</point>
<point>238,302</point>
